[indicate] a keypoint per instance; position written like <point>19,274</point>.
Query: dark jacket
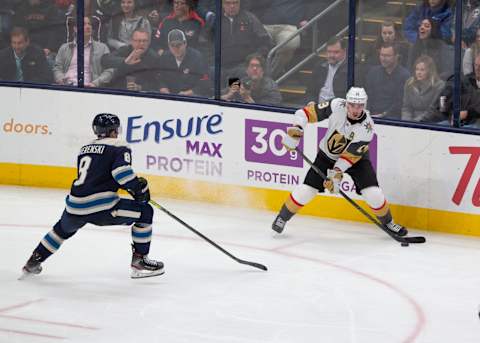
<point>34,65</point>
<point>192,28</point>
<point>442,16</point>
<point>319,75</point>
<point>191,74</point>
<point>242,37</point>
<point>44,23</point>
<point>385,91</point>
<point>470,101</point>
<point>145,72</point>
<point>264,92</point>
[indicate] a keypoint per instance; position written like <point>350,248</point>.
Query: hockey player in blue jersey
<point>104,166</point>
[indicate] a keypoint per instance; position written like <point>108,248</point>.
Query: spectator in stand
<point>65,69</point>
<point>255,87</point>
<point>106,7</point>
<point>421,90</point>
<point>429,43</point>
<point>122,26</point>
<point>22,61</point>
<point>470,21</point>
<point>329,78</point>
<point>6,18</point>
<point>184,70</point>
<point>441,111</point>
<point>470,54</point>
<point>136,65</point>
<point>282,18</point>
<point>388,33</point>
<point>438,11</point>
<point>44,23</point>
<point>184,18</point>
<point>206,9</point>
<point>242,34</point>
<point>385,84</point>
<point>100,11</point>
<point>157,11</point>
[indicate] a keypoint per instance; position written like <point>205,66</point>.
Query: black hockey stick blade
<point>418,239</point>
<point>239,260</point>
<point>400,239</point>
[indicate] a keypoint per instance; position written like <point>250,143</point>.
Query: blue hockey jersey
<point>103,166</point>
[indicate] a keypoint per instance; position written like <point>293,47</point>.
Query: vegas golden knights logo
<point>337,143</point>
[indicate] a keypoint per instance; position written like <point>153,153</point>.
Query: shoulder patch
<point>368,126</point>
<point>323,104</point>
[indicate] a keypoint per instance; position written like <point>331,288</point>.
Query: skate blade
<point>137,274</point>
<point>26,276</point>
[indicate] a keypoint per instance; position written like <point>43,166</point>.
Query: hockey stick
<point>404,240</point>
<point>253,264</point>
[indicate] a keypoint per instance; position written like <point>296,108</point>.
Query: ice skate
<point>397,229</point>
<point>32,267</point>
<point>142,266</point>
<point>279,224</point>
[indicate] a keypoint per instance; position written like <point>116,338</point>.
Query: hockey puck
<point>405,244</point>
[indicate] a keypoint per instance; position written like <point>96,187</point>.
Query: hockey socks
<point>286,213</point>
<point>301,195</point>
<point>50,243</point>
<point>283,216</point>
<point>379,205</point>
<point>142,236</point>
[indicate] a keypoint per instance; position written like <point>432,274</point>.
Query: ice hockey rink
<point>328,281</point>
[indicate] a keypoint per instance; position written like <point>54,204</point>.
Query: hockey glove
<point>141,193</point>
<point>333,180</point>
<point>292,138</point>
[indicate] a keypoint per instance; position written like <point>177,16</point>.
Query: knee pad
<point>303,194</point>
<point>374,197</point>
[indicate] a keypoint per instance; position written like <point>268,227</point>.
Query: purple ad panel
<point>372,147</point>
<point>263,144</point>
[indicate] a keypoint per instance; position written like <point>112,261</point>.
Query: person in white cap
<point>343,149</point>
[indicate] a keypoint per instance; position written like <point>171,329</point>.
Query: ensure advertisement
<point>189,146</point>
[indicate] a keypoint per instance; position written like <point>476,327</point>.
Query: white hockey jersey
<point>346,140</point>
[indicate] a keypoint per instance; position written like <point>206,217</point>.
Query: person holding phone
<point>255,87</point>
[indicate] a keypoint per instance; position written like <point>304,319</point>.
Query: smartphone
<point>232,80</point>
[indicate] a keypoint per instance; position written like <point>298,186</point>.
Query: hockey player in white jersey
<point>344,149</point>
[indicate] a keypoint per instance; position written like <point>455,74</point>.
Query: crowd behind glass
<point>167,46</point>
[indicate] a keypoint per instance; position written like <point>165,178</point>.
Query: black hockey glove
<point>141,193</point>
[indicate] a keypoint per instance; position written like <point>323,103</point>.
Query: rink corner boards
<point>250,197</point>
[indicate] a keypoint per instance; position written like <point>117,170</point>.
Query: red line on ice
<point>49,322</point>
<point>30,333</point>
<point>5,309</point>
<point>421,320</point>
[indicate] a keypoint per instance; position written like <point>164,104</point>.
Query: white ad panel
<point>234,146</point>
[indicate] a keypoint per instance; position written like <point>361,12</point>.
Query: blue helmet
<point>104,123</point>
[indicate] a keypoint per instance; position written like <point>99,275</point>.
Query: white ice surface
<point>328,281</point>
